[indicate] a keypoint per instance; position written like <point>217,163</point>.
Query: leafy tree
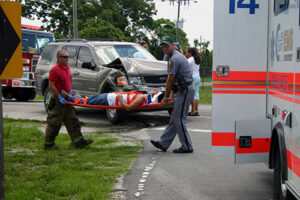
<point>97,28</point>
<point>162,27</point>
<point>206,55</point>
<point>129,20</point>
<point>128,16</point>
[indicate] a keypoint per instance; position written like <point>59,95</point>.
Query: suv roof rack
<point>71,40</point>
<point>89,39</point>
<point>104,39</point>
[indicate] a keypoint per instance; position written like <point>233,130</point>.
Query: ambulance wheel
<point>47,97</point>
<point>280,190</point>
<point>116,115</point>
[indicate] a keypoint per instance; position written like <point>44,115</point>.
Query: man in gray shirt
<point>181,81</point>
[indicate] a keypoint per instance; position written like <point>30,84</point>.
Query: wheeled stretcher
<point>82,101</point>
<point>84,104</point>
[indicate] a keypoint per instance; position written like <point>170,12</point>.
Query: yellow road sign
<point>10,40</point>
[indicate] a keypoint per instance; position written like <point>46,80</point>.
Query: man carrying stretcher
<point>129,100</point>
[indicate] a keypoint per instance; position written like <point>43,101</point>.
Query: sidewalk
<point>205,84</point>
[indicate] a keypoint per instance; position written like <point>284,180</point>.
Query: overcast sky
<point>198,18</point>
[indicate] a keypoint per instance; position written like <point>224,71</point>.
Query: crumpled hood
<point>144,67</point>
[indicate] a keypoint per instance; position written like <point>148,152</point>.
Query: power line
<point>179,2</point>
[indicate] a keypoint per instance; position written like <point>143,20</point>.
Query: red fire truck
<point>34,40</point>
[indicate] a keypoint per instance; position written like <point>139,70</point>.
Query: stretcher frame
<point>152,105</point>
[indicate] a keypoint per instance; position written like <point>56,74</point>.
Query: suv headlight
<point>135,80</point>
<point>122,81</point>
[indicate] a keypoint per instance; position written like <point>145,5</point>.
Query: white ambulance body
<point>256,86</point>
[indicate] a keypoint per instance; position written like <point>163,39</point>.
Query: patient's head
<point>156,96</point>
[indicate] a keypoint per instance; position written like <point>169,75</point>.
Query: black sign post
<point>9,42</point>
<point>1,149</point>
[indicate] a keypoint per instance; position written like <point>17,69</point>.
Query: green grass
<point>206,79</point>
<point>38,97</point>
<point>68,173</point>
<point>205,95</point>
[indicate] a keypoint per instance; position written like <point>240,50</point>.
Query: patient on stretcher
<point>129,100</point>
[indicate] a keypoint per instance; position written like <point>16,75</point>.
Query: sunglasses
<point>165,46</point>
<point>64,56</point>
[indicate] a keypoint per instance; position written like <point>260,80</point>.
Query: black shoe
<point>180,150</point>
<point>158,145</point>
<point>51,147</point>
<point>82,143</point>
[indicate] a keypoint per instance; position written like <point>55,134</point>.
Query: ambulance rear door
<point>239,124</point>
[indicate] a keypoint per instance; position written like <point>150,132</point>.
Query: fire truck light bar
<point>31,27</point>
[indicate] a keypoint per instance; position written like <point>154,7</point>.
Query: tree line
<point>128,20</point>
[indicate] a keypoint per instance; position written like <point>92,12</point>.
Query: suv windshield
<point>107,54</point>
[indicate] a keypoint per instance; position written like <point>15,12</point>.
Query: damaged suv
<point>103,66</point>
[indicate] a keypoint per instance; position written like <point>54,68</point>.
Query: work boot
<point>158,145</point>
<point>82,143</point>
<point>51,147</point>
<point>180,150</point>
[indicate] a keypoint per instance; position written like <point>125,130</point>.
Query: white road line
<point>143,180</point>
<point>200,130</point>
<point>194,130</point>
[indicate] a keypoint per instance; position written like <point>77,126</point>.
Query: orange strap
<point>152,105</point>
<point>128,97</point>
<point>84,104</point>
<point>77,100</point>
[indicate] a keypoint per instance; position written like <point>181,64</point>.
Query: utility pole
<point>177,22</point>
<point>75,29</point>
<point>178,14</point>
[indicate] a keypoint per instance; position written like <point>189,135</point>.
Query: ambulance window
<point>280,6</point>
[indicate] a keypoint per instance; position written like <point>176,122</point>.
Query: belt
<point>189,83</point>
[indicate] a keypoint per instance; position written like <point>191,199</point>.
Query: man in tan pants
<point>59,112</point>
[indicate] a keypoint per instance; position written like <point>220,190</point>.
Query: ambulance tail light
<point>283,115</point>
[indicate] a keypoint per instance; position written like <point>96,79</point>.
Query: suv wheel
<point>116,115</point>
<point>47,97</point>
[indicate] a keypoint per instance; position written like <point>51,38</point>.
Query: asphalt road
<point>34,110</point>
<point>168,176</point>
<point>199,176</point>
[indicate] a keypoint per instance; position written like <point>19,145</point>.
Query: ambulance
<point>256,87</point>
